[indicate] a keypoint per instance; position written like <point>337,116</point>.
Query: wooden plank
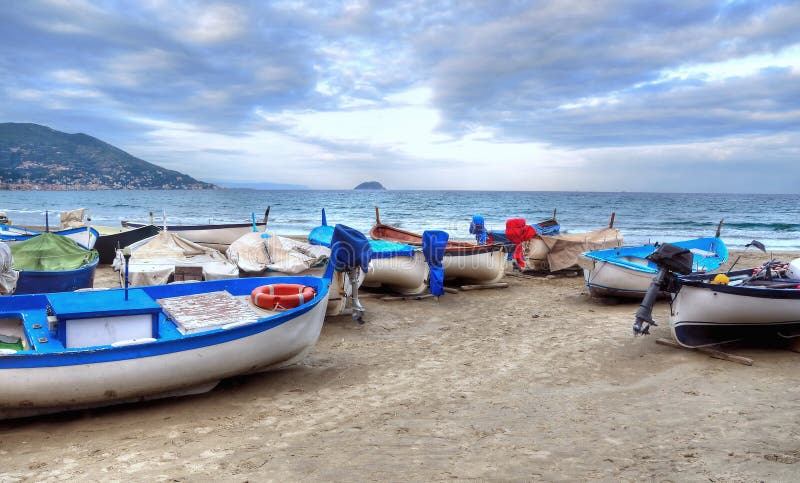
<point>451,290</point>
<point>717,354</point>
<point>390,298</point>
<point>485,286</point>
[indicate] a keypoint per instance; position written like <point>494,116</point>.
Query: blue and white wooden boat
<point>50,263</point>
<point>73,350</point>
<point>626,272</point>
<point>83,236</point>
<point>398,267</point>
<point>44,281</point>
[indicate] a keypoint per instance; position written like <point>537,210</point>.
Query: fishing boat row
<point>261,304</point>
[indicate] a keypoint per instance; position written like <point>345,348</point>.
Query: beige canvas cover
<point>8,276</point>
<point>563,250</point>
<point>256,252</point>
<point>153,260</point>
<point>73,218</point>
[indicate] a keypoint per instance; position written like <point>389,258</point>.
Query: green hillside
<point>37,156</point>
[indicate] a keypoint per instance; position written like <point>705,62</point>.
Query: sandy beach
<point>537,381</point>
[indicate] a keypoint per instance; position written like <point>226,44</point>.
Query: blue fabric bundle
<point>478,228</point>
<point>349,249</point>
<point>434,243</point>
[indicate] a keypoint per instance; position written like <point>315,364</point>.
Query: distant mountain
<point>37,157</point>
<point>259,186</point>
<point>370,185</point>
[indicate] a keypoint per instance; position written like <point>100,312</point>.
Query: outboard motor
<point>350,253</point>
<point>478,228</point>
<point>434,243</point>
<point>671,259</point>
<point>518,232</point>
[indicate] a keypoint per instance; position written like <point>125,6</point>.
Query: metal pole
<point>127,255</point>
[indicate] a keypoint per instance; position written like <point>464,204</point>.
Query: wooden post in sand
<point>716,354</point>
<point>484,286</point>
<point>390,298</point>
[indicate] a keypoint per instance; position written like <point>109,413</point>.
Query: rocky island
<point>370,185</point>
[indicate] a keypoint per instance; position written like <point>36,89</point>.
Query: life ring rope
<point>282,296</point>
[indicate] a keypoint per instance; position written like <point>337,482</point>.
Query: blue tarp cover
<point>387,249</point>
<point>434,243</point>
<point>349,249</point>
<point>322,235</point>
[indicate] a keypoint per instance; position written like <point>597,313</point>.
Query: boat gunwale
<point>756,291</point>
<point>130,224</point>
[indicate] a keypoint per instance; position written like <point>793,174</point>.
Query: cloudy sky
<point>676,95</point>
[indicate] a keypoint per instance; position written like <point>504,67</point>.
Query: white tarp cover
<point>257,251</point>
<point>8,276</point>
<point>153,260</point>
<point>73,218</point>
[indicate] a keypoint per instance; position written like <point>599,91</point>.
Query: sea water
<point>641,217</point>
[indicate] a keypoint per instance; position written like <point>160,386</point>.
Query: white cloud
<point>213,24</point>
<point>72,76</point>
<point>738,67</point>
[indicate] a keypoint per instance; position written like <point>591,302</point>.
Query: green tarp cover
<point>49,252</point>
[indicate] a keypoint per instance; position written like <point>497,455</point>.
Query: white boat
<point>212,234</point>
<point>626,272</point>
<point>711,309</point>
<point>464,261</point>
<point>116,346</point>
<point>397,267</point>
<point>705,313</point>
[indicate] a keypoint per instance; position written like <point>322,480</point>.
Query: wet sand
<point>537,381</point>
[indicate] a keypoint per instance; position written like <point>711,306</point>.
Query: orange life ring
<point>280,296</point>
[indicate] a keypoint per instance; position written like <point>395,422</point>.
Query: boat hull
<point>107,245</point>
<point>34,281</point>
<point>404,275</point>
<point>626,272</point>
<point>605,279</point>
<point>208,234</point>
<point>195,363</point>
<point>464,261</point>
<point>475,265</point>
<point>706,314</point>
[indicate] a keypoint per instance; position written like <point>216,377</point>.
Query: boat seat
<point>207,311</point>
<point>185,273</point>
